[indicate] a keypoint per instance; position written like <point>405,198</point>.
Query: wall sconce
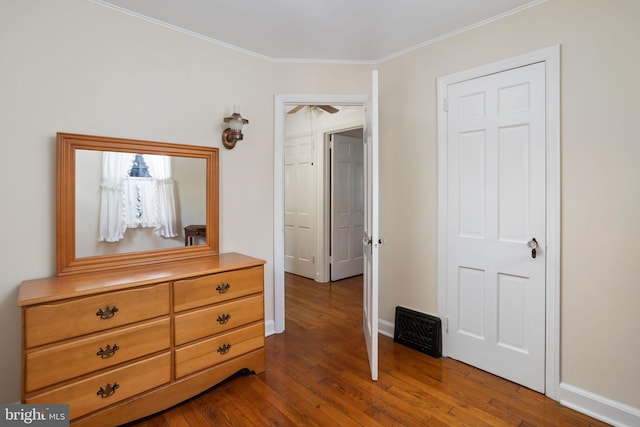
<point>233,133</point>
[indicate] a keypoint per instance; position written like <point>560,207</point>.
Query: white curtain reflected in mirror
<point>137,192</point>
<point>120,209</point>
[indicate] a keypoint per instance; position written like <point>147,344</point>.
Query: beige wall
<point>312,78</point>
<point>74,66</point>
<point>600,345</point>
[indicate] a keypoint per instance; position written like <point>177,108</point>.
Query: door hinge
<point>313,260</point>
<point>445,105</point>
<point>446,324</point>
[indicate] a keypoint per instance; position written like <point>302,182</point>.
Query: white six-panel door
<point>347,206</point>
<point>299,207</point>
<point>496,206</point>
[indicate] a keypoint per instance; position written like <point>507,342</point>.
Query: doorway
<point>371,238</point>
<point>282,105</point>
<point>463,282</point>
<point>496,209</point>
<point>323,191</point>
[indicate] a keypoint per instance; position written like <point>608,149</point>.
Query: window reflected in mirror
<point>133,202</point>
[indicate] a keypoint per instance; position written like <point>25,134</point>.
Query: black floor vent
<point>419,331</point>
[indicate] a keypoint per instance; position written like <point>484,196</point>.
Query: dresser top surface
<point>60,287</point>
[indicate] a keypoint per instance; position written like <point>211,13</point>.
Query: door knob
<point>366,240</point>
<point>533,244</point>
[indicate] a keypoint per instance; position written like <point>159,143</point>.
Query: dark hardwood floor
<point>317,374</point>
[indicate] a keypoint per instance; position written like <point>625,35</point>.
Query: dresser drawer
<point>84,355</point>
<point>86,395</point>
<point>48,323</point>
<point>218,318</point>
<point>218,287</point>
<point>196,357</point>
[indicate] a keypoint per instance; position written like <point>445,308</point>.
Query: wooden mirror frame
<point>66,261</point>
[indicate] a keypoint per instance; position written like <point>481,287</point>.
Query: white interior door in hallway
<point>300,206</point>
<point>347,206</point>
<point>496,211</point>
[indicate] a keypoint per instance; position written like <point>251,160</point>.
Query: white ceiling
<point>326,30</point>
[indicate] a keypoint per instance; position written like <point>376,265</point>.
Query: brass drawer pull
<point>107,312</point>
<point>223,288</point>
<point>224,348</point>
<point>223,318</point>
<point>108,351</point>
<point>108,390</point>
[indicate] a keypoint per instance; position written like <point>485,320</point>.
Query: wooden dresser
<point>122,344</point>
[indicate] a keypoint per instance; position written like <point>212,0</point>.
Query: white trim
<point>596,406</point>
<point>326,61</point>
<point>180,29</point>
<point>318,61</point>
<point>551,57</point>
<point>460,31</point>
<point>269,328</point>
<point>229,45</point>
<point>278,203</point>
<point>386,328</point>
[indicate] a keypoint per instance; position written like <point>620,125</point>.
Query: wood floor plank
<point>186,411</point>
<point>317,374</point>
<point>298,389</point>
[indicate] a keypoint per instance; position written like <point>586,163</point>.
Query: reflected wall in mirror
<point>125,202</point>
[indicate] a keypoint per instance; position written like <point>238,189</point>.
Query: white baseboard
<point>599,407</point>
<point>386,328</point>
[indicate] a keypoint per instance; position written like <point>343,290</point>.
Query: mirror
<point>124,202</point>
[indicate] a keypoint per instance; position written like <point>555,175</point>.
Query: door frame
<point>551,57</point>
<point>281,101</point>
